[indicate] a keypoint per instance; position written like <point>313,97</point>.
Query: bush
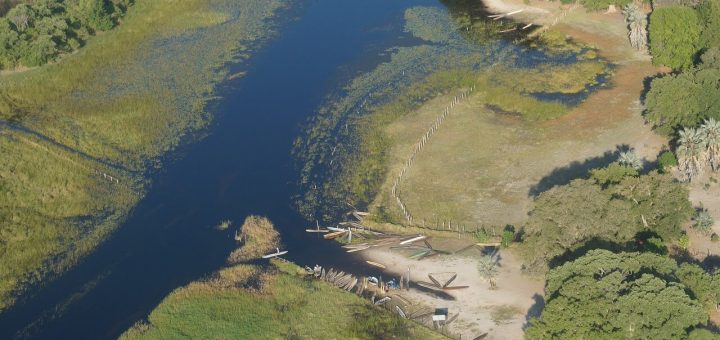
<point>508,236</point>
<point>684,242</point>
<point>597,5</point>
<point>667,161</point>
<point>674,36</point>
<point>703,221</point>
<point>714,237</point>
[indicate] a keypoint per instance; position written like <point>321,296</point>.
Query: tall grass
<point>126,98</point>
<point>257,237</point>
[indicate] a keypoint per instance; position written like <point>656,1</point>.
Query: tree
<point>612,174</point>
<point>567,217</point>
<point>489,268</point>
<point>691,153</point>
<point>678,100</point>
<point>674,36</point>
<point>630,159</point>
<point>709,14</point>
<point>636,20</point>
<point>603,295</point>
<point>711,132</point>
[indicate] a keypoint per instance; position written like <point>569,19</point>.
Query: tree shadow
<point>711,263</point>
<point>534,311</point>
<point>576,169</point>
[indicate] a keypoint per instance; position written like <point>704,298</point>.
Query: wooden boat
<point>427,285</point>
<point>383,300</point>
<point>357,249</point>
<point>317,230</point>
<point>418,238</point>
<point>379,265</point>
<point>332,236</point>
<point>278,253</point>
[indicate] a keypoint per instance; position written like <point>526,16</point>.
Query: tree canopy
<point>613,207</point>
<point>674,36</point>
<point>33,33</point>
<point>604,295</point>
<point>687,98</point>
<point>709,13</point>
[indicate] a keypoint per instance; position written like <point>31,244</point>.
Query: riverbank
<point>80,136</point>
<point>275,299</point>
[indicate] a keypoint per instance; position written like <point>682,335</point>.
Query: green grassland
<point>116,106</point>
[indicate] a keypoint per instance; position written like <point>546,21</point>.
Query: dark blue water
<point>243,167</point>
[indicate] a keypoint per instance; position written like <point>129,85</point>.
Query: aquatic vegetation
<point>258,237</point>
<point>86,129</point>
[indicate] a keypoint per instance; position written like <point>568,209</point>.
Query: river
<point>242,167</point>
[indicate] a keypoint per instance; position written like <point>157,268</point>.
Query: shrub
<point>703,221</point>
<point>684,242</point>
<point>597,5</point>
<point>507,237</point>
<point>674,36</point>
<point>667,161</point>
<point>714,237</point>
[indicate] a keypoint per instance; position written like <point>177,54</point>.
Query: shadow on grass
<point>577,169</point>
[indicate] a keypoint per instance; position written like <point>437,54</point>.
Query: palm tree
<point>691,152</point>
<point>711,130</point>
<point>489,268</point>
<point>630,159</point>
<point>636,20</point>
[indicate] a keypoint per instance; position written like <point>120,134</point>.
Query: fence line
<point>419,147</point>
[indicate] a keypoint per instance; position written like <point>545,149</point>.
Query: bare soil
<point>475,305</point>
